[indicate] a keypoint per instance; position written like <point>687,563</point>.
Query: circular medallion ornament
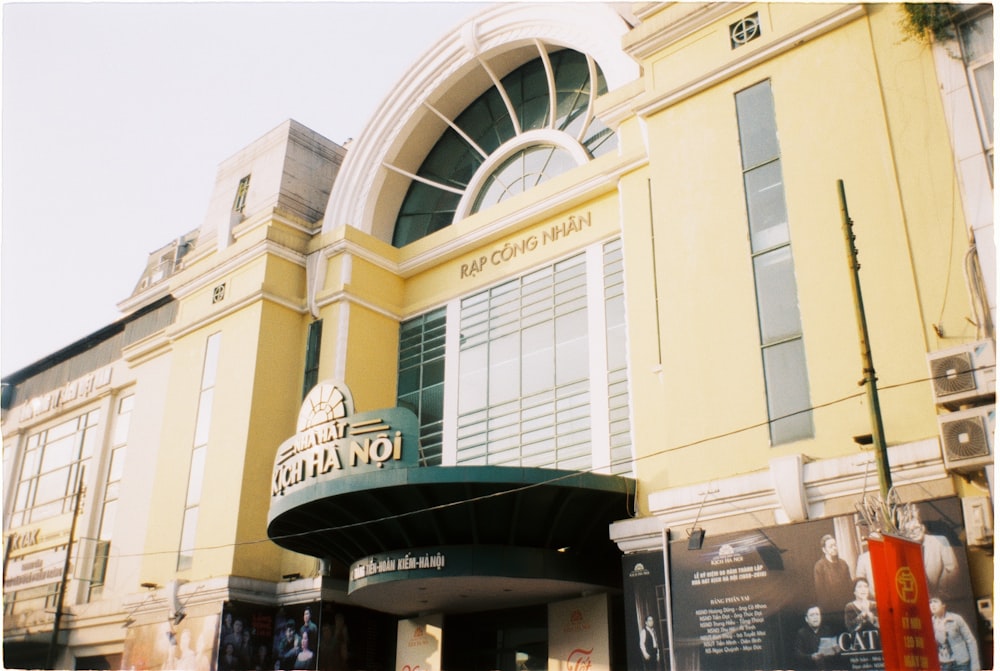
<point>745,30</point>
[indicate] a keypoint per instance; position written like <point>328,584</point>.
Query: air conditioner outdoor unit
<point>964,375</point>
<point>967,437</point>
<point>978,514</point>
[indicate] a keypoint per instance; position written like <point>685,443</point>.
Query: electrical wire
<point>565,476</point>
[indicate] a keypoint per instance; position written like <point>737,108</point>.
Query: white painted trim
<point>590,28</point>
<point>455,127</point>
<point>600,432</point>
<point>753,59</point>
<point>423,180</point>
<point>579,191</point>
<point>343,336</point>
<point>452,349</point>
<point>822,480</point>
<point>521,141</point>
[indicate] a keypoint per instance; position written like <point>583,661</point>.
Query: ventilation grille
<point>964,375</point>
<point>953,374</point>
<point>967,437</point>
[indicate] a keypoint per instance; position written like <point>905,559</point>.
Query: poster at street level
<point>801,596</point>
<point>644,583</point>
<point>317,636</point>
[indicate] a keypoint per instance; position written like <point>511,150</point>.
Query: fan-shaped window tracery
<point>488,156</point>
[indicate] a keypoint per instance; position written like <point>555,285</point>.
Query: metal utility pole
<point>869,380</point>
<point>60,599</point>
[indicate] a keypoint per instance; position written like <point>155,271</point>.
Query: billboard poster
<point>187,646</point>
<point>645,591</point>
<point>418,643</point>
<point>801,596</point>
<point>318,636</point>
<point>252,636</point>
<point>578,635</point>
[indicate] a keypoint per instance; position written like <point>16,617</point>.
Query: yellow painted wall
<point>256,400</point>
<point>705,413</point>
<point>275,403</point>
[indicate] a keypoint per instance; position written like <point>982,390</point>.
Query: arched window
<point>537,124</point>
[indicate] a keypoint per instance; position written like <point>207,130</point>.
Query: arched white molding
<point>531,138</point>
<point>595,29</point>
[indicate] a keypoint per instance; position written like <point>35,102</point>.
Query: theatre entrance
<point>502,640</point>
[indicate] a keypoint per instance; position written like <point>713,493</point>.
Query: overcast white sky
<point>116,116</point>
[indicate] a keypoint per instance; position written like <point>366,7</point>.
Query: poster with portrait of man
<point>802,596</point>
<point>644,582</point>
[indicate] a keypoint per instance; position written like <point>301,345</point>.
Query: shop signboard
<point>34,570</point>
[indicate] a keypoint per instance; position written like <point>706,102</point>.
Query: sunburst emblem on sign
<point>325,403</point>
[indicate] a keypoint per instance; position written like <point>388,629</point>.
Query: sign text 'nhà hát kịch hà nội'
<point>331,440</point>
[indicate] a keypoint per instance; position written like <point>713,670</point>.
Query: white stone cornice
<point>146,349</point>
<point>243,258</point>
<point>150,295</point>
<point>591,28</point>
<point>604,182</point>
<point>639,534</point>
<point>181,330</point>
<point>823,481</point>
<point>347,297</point>
<point>843,14</point>
<point>642,44</point>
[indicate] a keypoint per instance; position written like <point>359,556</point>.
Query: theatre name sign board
<point>331,441</point>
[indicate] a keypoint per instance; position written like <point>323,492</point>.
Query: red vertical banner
<point>905,626</point>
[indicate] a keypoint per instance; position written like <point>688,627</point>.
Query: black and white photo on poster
<point>800,596</point>
<point>644,582</point>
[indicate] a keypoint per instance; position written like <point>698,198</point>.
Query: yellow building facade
<point>559,365</point>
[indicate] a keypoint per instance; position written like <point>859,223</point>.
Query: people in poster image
<point>239,638</point>
<point>863,569</point>
<point>815,643</point>
<point>649,645</point>
<point>940,560</point>
<point>306,658</point>
<point>308,626</point>
<point>832,578</point>
<point>288,647</point>
<point>957,647</point>
<point>861,613</point>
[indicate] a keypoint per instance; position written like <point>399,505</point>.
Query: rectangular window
<point>524,396</point>
<point>538,368</point>
<point>976,34</point>
<point>116,467</point>
<point>782,350</point>
<point>313,341</point>
<point>196,470</point>
<point>619,421</point>
<point>420,385</point>
<point>240,201</point>
<point>53,466</point>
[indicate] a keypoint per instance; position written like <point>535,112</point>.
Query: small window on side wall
<point>240,202</point>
